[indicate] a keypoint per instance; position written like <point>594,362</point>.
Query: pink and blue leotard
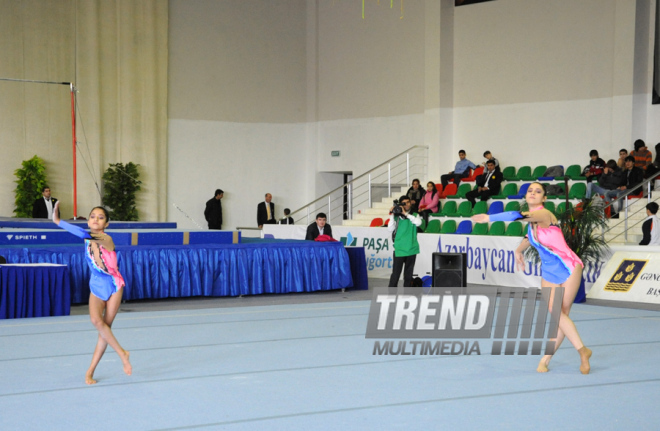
<point>105,279</point>
<point>558,261</point>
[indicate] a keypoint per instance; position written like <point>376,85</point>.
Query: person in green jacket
<point>404,225</point>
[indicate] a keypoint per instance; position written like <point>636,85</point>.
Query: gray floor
<point>301,362</point>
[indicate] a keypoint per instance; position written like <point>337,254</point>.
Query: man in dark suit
<point>488,184</point>
<point>266,212</point>
<point>319,227</point>
<point>213,211</point>
<point>43,207</point>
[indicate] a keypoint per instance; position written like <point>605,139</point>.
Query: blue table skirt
<point>34,291</point>
<point>206,270</point>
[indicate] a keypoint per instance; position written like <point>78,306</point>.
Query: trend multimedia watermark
<point>517,320</point>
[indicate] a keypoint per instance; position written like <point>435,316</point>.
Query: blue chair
<point>464,227</point>
<point>496,207</point>
<point>521,193</point>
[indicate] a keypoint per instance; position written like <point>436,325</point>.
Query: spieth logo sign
<point>516,319</point>
<point>24,237</point>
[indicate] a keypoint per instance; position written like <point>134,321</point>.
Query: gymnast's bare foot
<point>128,369</point>
<point>585,354</point>
<point>89,378</point>
<point>543,366</point>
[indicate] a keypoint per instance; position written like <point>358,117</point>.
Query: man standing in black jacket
<point>43,207</point>
<point>213,211</point>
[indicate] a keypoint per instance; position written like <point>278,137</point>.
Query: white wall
<point>245,160</point>
<point>541,82</point>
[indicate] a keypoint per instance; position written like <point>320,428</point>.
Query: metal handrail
<point>391,170</point>
<point>649,198</point>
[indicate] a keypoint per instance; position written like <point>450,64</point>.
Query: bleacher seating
<point>433,226</point>
<point>448,191</point>
<point>525,174</point>
<point>465,209</point>
<point>515,228</point>
<point>577,191</point>
<point>480,229</point>
<point>461,192</point>
<point>512,206</point>
<point>481,207</point>
<point>448,226</point>
<point>464,228</point>
<point>376,222</point>
<point>473,175</point>
<point>521,193</point>
<point>573,172</point>
<point>538,172</point>
<point>509,173</point>
<point>495,207</point>
<point>450,209</point>
<point>497,228</point>
<point>510,189</point>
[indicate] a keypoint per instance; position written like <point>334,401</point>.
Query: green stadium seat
<point>577,191</point>
<point>480,208</point>
<point>573,172</point>
<point>512,206</point>
<point>433,226</point>
<point>465,209</point>
<point>515,228</point>
<point>562,208</point>
<point>450,209</point>
<point>509,173</point>
<point>448,227</point>
<point>461,192</point>
<point>480,229</point>
<point>539,171</point>
<point>525,174</point>
<point>508,190</point>
<point>497,229</point>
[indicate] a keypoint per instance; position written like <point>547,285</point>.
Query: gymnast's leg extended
<point>566,326</point>
<point>103,322</point>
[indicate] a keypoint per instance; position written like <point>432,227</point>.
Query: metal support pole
<point>625,221</point>
<point>389,180</point>
<point>369,190</point>
<point>350,201</point>
<point>407,168</point>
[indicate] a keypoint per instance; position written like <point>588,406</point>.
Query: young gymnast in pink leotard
<point>106,284</point>
<point>559,264</point>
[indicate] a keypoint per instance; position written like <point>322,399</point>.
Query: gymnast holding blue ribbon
<point>106,284</point>
<point>560,266</point>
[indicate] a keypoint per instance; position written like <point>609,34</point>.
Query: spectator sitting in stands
<point>429,203</point>
<point>642,155</point>
<point>651,227</point>
<point>632,177</point>
<point>461,170</point>
<point>488,184</point>
<point>621,163</point>
<point>595,167</point>
<point>610,180</point>
<point>318,228</point>
<point>286,219</point>
<point>415,193</point>
<point>488,157</point>
<point>654,167</point>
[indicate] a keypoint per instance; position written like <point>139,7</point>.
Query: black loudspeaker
<point>449,270</point>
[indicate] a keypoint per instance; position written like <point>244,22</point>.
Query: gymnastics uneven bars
<point>73,131</point>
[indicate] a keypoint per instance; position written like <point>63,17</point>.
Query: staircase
<point>378,209</point>
<point>615,234</point>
